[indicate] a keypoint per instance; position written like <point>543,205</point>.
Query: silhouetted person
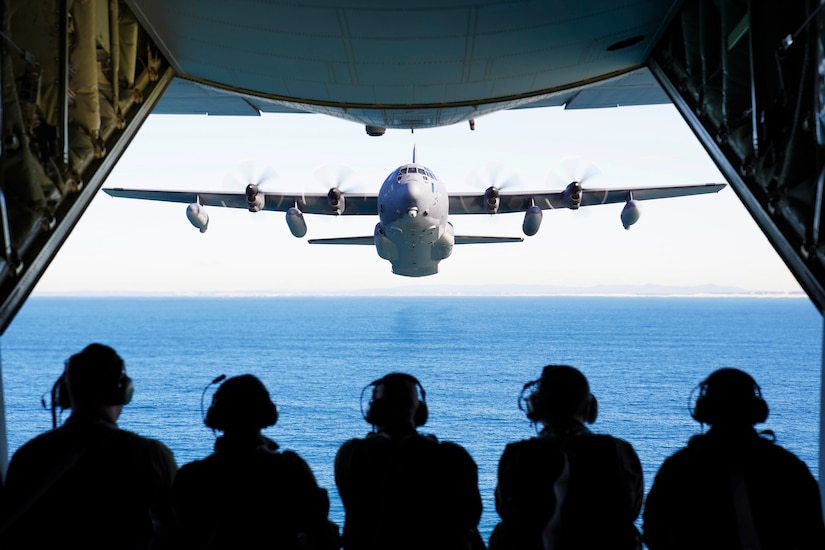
<point>87,483</point>
<point>401,489</point>
<point>568,488</point>
<point>248,493</point>
<point>731,488</point>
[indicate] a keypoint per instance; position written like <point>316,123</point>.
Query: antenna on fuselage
<point>413,154</point>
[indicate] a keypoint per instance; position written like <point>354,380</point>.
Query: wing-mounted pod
<point>573,195</point>
<point>255,200</point>
<point>532,221</point>
<point>491,200</point>
<point>631,212</point>
<point>295,221</point>
<point>335,198</point>
<point>197,215</point>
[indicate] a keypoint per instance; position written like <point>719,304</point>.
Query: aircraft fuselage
<point>413,232</point>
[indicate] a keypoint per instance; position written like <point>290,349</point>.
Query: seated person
<point>248,493</point>
<point>403,490</point>
<point>568,488</point>
<point>87,483</point>
<point>732,487</point>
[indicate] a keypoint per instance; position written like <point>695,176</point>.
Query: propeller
<point>574,169</point>
<point>250,172</point>
<point>575,174</point>
<point>494,177</point>
<point>335,176</point>
<point>494,182</point>
<point>252,176</point>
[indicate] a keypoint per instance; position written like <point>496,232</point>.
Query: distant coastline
<point>664,291</point>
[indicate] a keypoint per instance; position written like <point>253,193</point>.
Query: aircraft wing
<point>520,201</point>
<point>308,203</point>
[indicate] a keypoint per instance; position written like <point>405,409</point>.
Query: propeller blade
<point>250,172</point>
<point>334,175</point>
<point>573,169</point>
<point>494,177</point>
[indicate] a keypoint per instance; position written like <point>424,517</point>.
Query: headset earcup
<point>421,414</point>
<point>376,412</point>
<point>700,409</point>
<point>269,416</point>
<point>213,417</point>
<point>760,411</point>
<point>592,411</point>
<point>124,391</point>
<point>533,406</point>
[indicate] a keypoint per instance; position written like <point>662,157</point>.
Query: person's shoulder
<point>354,444</point>
<point>452,447</point>
<point>193,469</point>
<point>142,440</point>
<point>52,441</point>
<point>38,441</point>
<point>147,446</point>
<point>622,444</point>
<point>770,447</point>
<point>286,455</point>
<point>525,445</point>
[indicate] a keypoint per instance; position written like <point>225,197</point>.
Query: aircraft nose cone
<point>415,189</point>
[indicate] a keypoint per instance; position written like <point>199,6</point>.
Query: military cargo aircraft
<point>413,231</point>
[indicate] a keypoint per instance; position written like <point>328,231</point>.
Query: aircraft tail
<point>471,239</point>
<point>345,240</point>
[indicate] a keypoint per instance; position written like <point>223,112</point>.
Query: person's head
<point>398,402</point>
<point>95,378</point>
<point>729,397</point>
<point>563,395</point>
<point>241,404</point>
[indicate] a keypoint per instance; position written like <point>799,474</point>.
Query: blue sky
<point>126,246</point>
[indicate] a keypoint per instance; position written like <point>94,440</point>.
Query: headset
<point>100,372</point>
<point>214,381</point>
<point>532,404</point>
<point>378,410</point>
<point>728,394</point>
<point>240,401</point>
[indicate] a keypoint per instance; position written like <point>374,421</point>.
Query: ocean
<point>642,355</point>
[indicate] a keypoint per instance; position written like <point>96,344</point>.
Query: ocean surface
<point>643,356</point>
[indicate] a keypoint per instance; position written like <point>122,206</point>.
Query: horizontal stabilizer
<point>345,240</point>
<point>470,239</point>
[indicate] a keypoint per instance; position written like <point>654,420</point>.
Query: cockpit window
<point>402,171</point>
<point>421,171</point>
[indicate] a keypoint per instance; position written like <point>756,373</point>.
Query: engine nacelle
<point>295,221</point>
<point>254,200</point>
<point>631,213</point>
<point>335,198</point>
<point>383,245</point>
<point>491,200</point>
<point>532,221</point>
<point>197,216</point>
<point>573,195</point>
